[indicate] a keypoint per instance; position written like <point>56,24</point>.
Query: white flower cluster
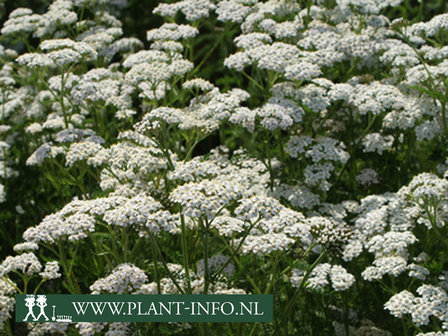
<point>7,301</point>
<point>172,31</point>
<point>392,265</point>
<point>198,83</point>
<point>323,152</point>
<point>43,152</point>
<point>432,27</point>
<point>22,21</point>
<point>126,162</point>
<point>427,197</point>
<point>27,246</point>
<point>391,241</point>
<point>51,271</point>
<point>433,301</point>
<point>327,232</point>
<point>113,328</point>
<point>45,328</point>
<point>367,6</point>
<point>426,186</point>
<point>61,52</point>
<point>275,227</point>
<point>367,177</point>
<point>277,113</point>
<point>27,263</point>
<point>79,151</point>
<point>124,278</point>
<point>76,220</point>
<point>231,10</point>
<point>194,170</point>
<point>376,98</point>
<point>205,198</point>
<point>298,196</point>
<point>322,275</point>
<point>192,9</point>
<point>317,149</point>
<point>276,57</point>
<point>133,211</point>
<point>204,113</point>
<point>383,227</point>
<point>377,143</point>
<point>57,226</point>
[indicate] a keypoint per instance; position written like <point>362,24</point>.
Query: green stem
<point>38,286</point>
<point>13,285</point>
<point>253,330</point>
<point>282,149</point>
<point>269,166</point>
<point>136,246</point>
<point>370,124</point>
<point>114,175</point>
<point>433,220</point>
<point>5,176</point>
<point>443,111</point>
<point>114,243</point>
<point>156,269</point>
<point>154,242</point>
<point>61,100</point>
<point>8,328</point>
<point>432,83</point>
<point>273,274</point>
<point>164,147</point>
<point>74,286</point>
<point>3,104</point>
<point>206,270</point>
<point>185,252</point>
<point>291,303</point>
<point>346,313</point>
<point>238,247</point>
<point>253,81</point>
<point>204,59</point>
<point>249,278</point>
<point>125,239</point>
<point>192,147</point>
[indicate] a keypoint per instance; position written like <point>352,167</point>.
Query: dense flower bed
<point>278,147</point>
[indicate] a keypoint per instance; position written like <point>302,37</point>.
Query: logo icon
<point>60,318</point>
<point>30,302</point>
<point>41,303</point>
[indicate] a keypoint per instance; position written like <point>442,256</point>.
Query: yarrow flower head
<point>59,52</point>
<point>322,275</point>
<point>124,278</point>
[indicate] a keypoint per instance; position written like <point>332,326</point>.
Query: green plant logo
<point>40,302</point>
